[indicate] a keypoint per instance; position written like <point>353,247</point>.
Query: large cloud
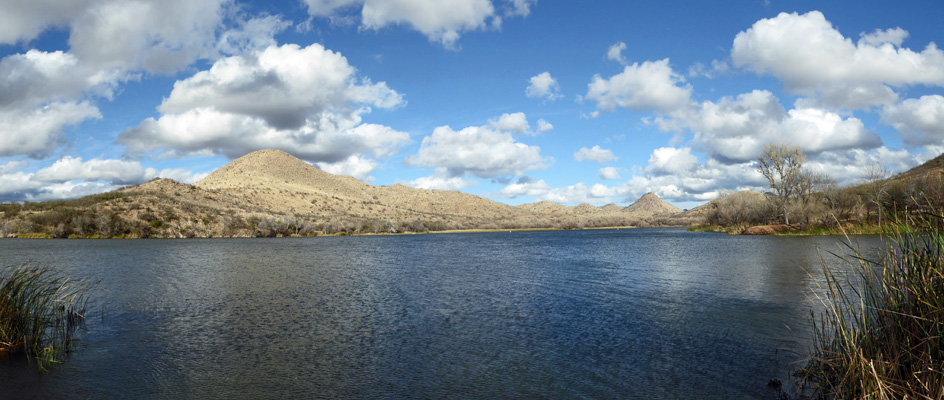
<point>355,165</point>
<point>71,177</point>
<point>114,171</point>
<point>36,132</point>
<point>651,85</point>
<point>919,121</point>
<point>440,20</point>
<point>40,94</point>
<point>669,160</point>
<point>304,100</point>
<point>440,181</point>
<point>153,35</point>
<point>481,151</point>
<point>283,86</point>
<point>812,58</point>
<point>326,137</point>
<point>24,20</point>
<point>736,129</point>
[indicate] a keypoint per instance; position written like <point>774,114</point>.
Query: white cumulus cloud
<point>440,21</point>
<point>514,123</point>
<point>71,177</point>
<point>651,85</point>
<point>477,150</point>
<point>812,58</point>
<point>304,100</point>
<point>736,129</point>
<point>615,53</point>
<point>440,181</point>
<point>609,173</point>
<point>24,20</point>
<point>595,153</point>
<point>355,165</point>
<point>543,86</point>
<point>153,35</point>
<point>920,121</point>
<point>282,85</point>
<point>670,160</point>
<point>524,187</point>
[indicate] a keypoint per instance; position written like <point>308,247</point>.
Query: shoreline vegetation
<point>881,334</point>
<point>40,312</point>
<point>804,202</point>
<point>341,234</point>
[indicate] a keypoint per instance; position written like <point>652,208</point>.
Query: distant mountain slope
<point>270,192</point>
<point>933,166</point>
<point>651,204</point>
<point>276,168</point>
<point>280,182</point>
<point>547,208</point>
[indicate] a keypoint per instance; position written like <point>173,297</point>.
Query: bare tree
<point>876,174</point>
<point>782,165</point>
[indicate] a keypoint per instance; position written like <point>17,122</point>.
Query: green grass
<point>40,310</point>
<point>881,335</point>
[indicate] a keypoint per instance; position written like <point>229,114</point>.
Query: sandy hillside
<point>651,205</point>
<point>271,193</point>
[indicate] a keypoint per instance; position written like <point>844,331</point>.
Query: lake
<point>645,313</point>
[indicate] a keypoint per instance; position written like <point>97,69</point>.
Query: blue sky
<point>515,100</point>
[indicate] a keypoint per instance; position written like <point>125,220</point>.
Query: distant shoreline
<point>47,236</point>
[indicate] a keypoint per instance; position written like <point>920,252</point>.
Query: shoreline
<point>851,230</point>
<point>97,237</point>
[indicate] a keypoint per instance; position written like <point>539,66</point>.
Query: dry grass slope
<point>270,192</point>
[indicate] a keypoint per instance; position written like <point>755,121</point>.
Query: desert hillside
<point>651,204</point>
<point>271,193</point>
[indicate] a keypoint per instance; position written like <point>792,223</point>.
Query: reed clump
<point>881,335</point>
<point>40,311</point>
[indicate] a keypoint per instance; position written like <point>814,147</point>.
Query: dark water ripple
<point>648,313</point>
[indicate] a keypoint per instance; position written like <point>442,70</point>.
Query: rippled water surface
<point>646,313</point>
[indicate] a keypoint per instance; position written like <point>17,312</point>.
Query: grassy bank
<point>40,310</point>
<point>882,337</point>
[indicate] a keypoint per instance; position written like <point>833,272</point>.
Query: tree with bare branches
<point>782,165</point>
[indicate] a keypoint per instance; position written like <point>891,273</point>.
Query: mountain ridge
<point>272,193</point>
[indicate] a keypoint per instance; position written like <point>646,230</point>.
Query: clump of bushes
<point>883,336</point>
<point>40,310</point>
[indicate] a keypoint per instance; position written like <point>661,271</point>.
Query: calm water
<point>646,313</point>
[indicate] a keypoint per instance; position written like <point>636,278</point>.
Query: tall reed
<point>40,310</point>
<point>881,335</point>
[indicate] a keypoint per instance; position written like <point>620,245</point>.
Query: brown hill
<point>547,208</point>
<point>611,208</point>
<point>934,166</point>
<point>270,192</point>
<point>274,180</point>
<point>650,205</point>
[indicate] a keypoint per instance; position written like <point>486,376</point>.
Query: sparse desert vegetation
<point>812,203</point>
<point>269,193</point>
